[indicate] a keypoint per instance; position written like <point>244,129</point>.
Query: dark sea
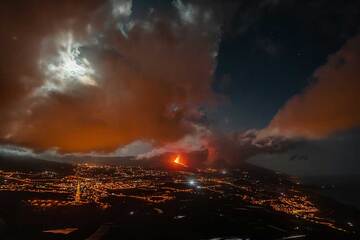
<point>342,188</point>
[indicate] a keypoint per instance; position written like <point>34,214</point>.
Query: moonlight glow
<point>67,68</point>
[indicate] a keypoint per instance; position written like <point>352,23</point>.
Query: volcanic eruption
<point>178,161</point>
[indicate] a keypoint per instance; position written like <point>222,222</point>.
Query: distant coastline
<point>342,188</point>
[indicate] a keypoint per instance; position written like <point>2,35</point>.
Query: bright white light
<point>121,11</point>
<point>187,12</point>
<point>121,8</point>
<point>192,182</point>
<point>67,68</point>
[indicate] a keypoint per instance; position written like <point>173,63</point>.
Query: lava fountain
<point>177,161</point>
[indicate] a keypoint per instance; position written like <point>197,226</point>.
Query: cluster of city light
<point>89,184</point>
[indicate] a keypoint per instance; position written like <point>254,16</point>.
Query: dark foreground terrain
<point>107,201</point>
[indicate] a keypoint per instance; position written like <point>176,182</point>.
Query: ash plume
<point>231,149</point>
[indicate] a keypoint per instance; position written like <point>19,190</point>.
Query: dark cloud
<point>335,155</point>
<point>236,148</point>
<point>268,46</point>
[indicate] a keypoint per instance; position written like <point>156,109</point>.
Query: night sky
<point>271,82</point>
<point>270,53</point>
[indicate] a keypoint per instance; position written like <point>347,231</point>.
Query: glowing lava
<point>177,160</point>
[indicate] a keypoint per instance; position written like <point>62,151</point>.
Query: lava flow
<point>177,160</point>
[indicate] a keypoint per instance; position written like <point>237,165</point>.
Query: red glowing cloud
<point>88,84</point>
<point>328,105</point>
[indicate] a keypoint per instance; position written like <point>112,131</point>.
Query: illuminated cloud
<point>65,69</point>
<point>188,12</point>
<point>196,141</point>
<point>98,80</point>
<point>328,105</point>
<point>121,11</point>
<point>10,150</point>
<point>121,8</point>
<point>134,149</point>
